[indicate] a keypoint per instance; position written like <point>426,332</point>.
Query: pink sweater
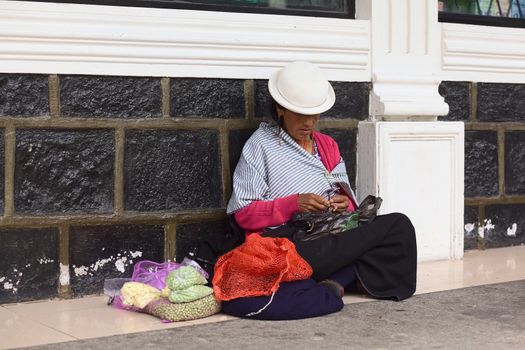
<point>260,214</point>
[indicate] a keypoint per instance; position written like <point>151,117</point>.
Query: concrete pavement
<point>484,317</point>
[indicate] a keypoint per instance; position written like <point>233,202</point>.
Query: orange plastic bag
<point>256,268</point>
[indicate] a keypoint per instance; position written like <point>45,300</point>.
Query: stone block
<point>110,97</point>
<point>29,264</point>
<point>481,164</point>
<point>457,95</point>
<point>351,101</point>
<point>64,171</point>
<point>172,170</point>
<point>97,253</point>
<point>504,225</point>
<point>501,102</point>
<point>515,163</point>
<point>471,220</point>
<point>263,100</point>
<point>236,140</point>
<point>24,95</point>
<point>200,235</point>
<point>189,234</point>
<point>207,98</point>
<point>347,141</point>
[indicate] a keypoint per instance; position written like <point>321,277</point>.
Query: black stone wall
<point>494,116</point>
<point>97,173</point>
<point>110,251</point>
<point>28,264</point>
<point>64,171</point>
<point>172,170</point>
<point>110,97</point>
<point>23,95</point>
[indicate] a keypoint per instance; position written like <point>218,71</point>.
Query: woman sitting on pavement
<point>287,167</point>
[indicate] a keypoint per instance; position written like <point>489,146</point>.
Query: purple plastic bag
<point>152,273</point>
<point>117,302</point>
<point>155,274</point>
<point>147,272</point>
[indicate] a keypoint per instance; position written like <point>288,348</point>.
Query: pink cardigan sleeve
<point>260,214</point>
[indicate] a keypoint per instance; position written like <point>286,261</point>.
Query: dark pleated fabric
<point>383,252</point>
<point>292,301</point>
<point>384,257</point>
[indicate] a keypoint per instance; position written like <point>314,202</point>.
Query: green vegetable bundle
<point>200,308</point>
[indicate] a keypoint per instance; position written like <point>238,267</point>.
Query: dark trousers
<point>383,252</point>
<point>293,300</point>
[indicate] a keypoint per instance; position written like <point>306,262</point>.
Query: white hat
<point>302,87</point>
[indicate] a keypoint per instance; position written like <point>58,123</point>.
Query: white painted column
<point>417,168</point>
<point>412,161</point>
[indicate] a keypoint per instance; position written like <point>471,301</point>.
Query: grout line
<point>54,96</point>
<point>170,242</point>
<point>474,102</point>
<point>64,291</point>
<point>128,217</point>
<point>224,155</point>
<point>249,99</point>
<point>119,172</point>
<point>9,180</point>
<point>165,87</point>
<point>501,199</point>
<point>501,161</point>
<point>107,123</point>
<point>509,126</point>
<point>338,124</point>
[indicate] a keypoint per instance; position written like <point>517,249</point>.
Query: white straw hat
<point>302,87</point>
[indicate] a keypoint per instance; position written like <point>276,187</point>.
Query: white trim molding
<point>417,168</point>
<point>401,96</point>
<point>112,40</point>
<point>406,52</point>
<point>483,53</point>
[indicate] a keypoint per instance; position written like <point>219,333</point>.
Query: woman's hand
<point>339,203</point>
<point>309,202</point>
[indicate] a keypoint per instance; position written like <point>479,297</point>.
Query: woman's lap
<point>293,300</point>
<point>383,252</point>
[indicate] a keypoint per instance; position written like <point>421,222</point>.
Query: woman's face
<point>299,126</point>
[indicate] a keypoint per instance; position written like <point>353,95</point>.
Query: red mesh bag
<point>257,267</point>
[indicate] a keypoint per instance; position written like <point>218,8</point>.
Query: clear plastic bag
<point>152,273</point>
<point>148,272</point>
<point>112,287</point>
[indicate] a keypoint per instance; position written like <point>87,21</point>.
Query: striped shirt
<point>273,166</point>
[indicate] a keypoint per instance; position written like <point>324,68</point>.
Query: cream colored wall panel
<point>417,168</point>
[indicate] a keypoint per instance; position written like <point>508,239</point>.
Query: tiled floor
<point>54,321</point>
